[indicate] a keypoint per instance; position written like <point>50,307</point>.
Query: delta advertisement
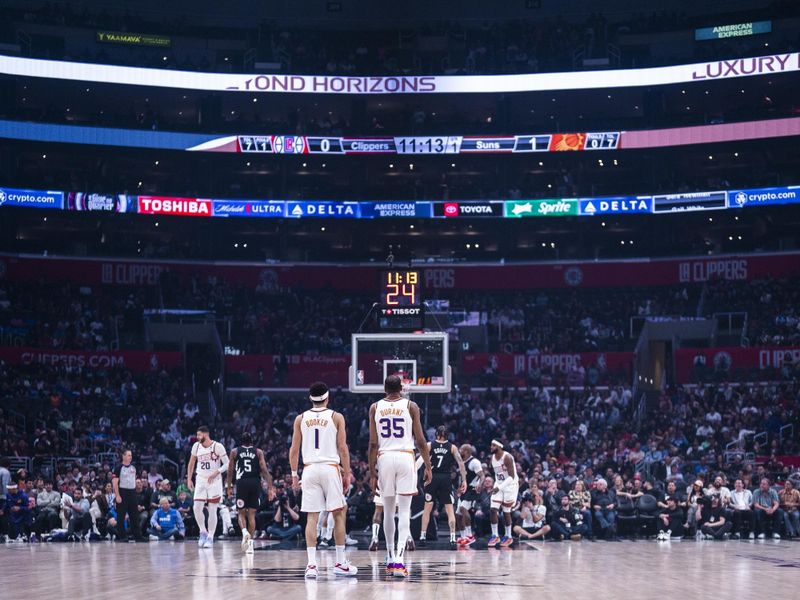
<point>443,84</point>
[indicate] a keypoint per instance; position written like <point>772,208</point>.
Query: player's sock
<point>403,525</point>
<point>340,557</point>
<point>468,530</point>
<point>376,530</point>
<point>212,519</point>
<point>329,527</point>
<point>494,529</point>
<point>225,515</point>
<point>312,555</point>
<point>200,517</point>
<point>389,506</point>
<point>423,535</point>
<point>452,536</point>
<point>323,518</point>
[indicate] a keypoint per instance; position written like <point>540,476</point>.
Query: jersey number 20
<point>393,427</point>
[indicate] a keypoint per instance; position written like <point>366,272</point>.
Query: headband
<point>496,443</point>
<point>320,398</point>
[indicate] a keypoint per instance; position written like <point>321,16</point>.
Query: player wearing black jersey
<point>244,459</point>
<point>468,500</point>
<point>443,456</point>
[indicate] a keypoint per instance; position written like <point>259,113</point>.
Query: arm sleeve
<point>223,457</point>
<point>154,519</point>
<point>178,520</point>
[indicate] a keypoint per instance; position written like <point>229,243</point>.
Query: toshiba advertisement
<point>183,207</point>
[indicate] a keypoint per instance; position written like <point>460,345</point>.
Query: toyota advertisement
<point>467,209</point>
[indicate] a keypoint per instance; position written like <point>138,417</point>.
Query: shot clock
<point>401,305</point>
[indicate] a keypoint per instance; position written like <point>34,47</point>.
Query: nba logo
<point>360,377</point>
<point>451,209</point>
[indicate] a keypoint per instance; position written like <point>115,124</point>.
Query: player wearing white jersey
<point>504,494</point>
<point>394,430</point>
<point>211,461</point>
<point>321,436</point>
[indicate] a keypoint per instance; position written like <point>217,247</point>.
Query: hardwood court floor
<point>595,571</point>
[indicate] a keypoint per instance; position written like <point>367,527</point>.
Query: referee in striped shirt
<point>124,483</point>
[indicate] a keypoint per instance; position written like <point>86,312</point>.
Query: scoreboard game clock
<point>400,302</point>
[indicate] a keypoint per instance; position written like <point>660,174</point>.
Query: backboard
<point>421,359</point>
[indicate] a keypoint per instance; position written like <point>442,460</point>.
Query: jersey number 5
<point>393,427</point>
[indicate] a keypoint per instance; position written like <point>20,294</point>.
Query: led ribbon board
<point>426,84</point>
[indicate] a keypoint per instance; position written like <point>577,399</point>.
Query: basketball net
<point>405,392</point>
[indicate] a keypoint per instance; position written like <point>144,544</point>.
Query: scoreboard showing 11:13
<point>401,304</point>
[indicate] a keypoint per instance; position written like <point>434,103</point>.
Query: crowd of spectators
<point>266,319</point>
<point>68,316</point>
<point>772,308</point>
<point>558,436</point>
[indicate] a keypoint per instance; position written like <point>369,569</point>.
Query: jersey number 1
<point>316,439</point>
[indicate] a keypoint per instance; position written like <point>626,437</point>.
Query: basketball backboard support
<point>421,359</point>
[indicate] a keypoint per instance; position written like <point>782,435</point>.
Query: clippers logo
<point>573,276</point>
<point>451,209</point>
<point>284,144</point>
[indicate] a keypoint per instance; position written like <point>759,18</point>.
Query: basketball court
<point>534,569</point>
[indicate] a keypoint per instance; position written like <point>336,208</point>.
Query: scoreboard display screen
<point>400,288</point>
<point>453,144</point>
<point>401,306</point>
